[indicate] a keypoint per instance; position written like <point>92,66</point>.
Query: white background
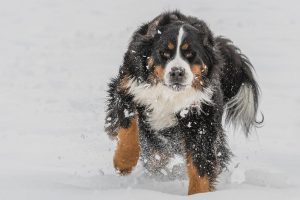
<point>56,58</point>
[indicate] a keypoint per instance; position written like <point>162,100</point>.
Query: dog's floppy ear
<point>208,39</point>
<point>147,33</point>
<point>152,26</point>
<point>159,21</point>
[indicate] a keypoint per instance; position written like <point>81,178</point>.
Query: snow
<point>157,157</point>
<point>189,125</point>
<point>56,58</point>
<point>126,114</point>
<point>183,113</point>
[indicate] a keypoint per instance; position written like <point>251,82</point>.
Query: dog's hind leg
<point>128,149</point>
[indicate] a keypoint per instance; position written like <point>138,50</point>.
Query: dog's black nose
<point>177,74</point>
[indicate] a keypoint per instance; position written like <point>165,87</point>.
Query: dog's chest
<point>163,103</point>
<point>161,113</point>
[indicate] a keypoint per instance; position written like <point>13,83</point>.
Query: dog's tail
<point>241,91</point>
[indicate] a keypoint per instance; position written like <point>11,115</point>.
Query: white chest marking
<point>164,102</point>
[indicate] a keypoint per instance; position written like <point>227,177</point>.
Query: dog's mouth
<point>177,87</point>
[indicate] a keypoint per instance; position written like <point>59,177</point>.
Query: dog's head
<point>178,52</point>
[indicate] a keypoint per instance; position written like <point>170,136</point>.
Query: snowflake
<point>128,114</point>
<point>157,157</point>
<point>183,113</point>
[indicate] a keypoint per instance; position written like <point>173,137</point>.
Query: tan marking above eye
<point>171,46</point>
<point>185,46</point>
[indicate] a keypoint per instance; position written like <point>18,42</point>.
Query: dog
<point>178,85</point>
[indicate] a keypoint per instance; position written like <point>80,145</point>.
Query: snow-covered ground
<point>56,57</point>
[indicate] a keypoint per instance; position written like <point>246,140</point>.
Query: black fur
<point>199,134</point>
<point>237,70</point>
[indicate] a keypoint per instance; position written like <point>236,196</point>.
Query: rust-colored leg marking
<point>197,183</point>
<point>128,149</point>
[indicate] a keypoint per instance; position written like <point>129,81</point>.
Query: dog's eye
<point>189,55</point>
<point>165,55</point>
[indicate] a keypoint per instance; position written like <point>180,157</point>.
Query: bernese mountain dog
<point>178,85</point>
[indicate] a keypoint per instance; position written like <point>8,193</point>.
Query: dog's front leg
<point>122,123</point>
<point>201,133</point>
<point>128,149</point>
<point>198,182</point>
<point>201,165</point>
